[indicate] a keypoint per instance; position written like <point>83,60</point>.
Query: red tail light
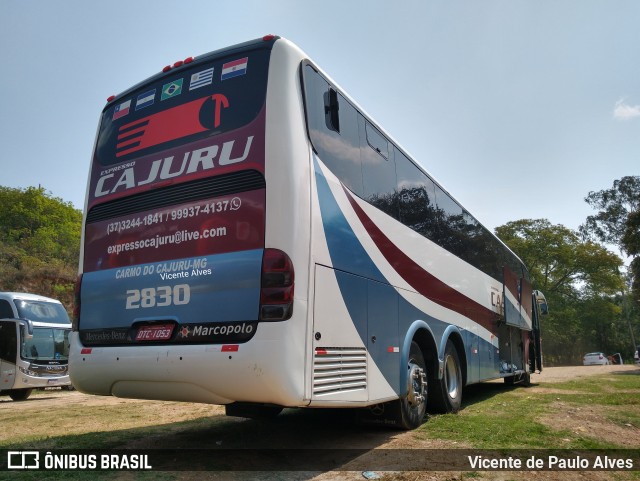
<point>276,287</point>
<point>76,304</point>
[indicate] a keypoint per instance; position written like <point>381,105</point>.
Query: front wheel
<point>447,392</point>
<point>20,394</point>
<point>413,407</point>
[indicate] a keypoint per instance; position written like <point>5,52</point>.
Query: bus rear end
<point>175,278</point>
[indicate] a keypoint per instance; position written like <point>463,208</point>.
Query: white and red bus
<point>252,238</point>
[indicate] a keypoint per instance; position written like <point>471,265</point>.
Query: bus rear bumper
<point>251,372</point>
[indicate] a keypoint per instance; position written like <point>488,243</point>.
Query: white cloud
<point>624,111</point>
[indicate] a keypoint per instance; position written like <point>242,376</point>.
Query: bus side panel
<point>462,299</point>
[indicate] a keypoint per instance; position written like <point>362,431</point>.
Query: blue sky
<point>518,108</point>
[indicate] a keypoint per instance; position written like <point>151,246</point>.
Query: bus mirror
<point>331,108</point>
<point>544,309</point>
<point>27,328</point>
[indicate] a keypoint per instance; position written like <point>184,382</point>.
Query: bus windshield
<point>39,311</point>
<point>47,344</point>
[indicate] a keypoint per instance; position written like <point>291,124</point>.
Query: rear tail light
<point>76,304</point>
<point>276,286</point>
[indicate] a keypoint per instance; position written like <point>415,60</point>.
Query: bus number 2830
<point>158,296</point>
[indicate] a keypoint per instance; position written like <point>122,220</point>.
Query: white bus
<point>252,238</point>
<point>34,344</point>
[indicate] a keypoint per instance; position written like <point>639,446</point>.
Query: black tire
<point>20,394</point>
<point>446,393</point>
<point>413,407</point>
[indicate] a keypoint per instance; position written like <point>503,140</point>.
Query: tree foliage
<point>39,243</point>
<point>614,207</point>
<point>580,279</point>
<point>618,222</point>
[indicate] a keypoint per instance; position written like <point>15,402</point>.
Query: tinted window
<point>451,223</point>
<point>340,151</point>
<point>416,194</point>
<point>378,171</point>
<point>376,140</point>
<point>8,341</point>
<point>42,311</point>
<point>197,102</point>
<point>5,310</point>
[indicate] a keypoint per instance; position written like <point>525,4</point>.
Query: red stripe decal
<point>422,281</point>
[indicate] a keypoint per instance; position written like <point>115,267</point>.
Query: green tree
<point>39,243</point>
<point>580,279</point>
<point>631,242</point>
<point>614,207</point>
<point>618,222</point>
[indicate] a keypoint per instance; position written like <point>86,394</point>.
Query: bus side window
<point>450,223</point>
<point>334,132</point>
<point>5,310</point>
<point>378,169</point>
<point>417,198</point>
<point>8,341</point>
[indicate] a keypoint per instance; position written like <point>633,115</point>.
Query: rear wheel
<point>447,392</point>
<point>20,394</point>
<point>413,407</point>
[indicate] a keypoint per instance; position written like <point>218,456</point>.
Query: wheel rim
<point>451,377</point>
<point>417,382</point>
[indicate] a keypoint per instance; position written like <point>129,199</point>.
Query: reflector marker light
<point>230,348</point>
<point>85,350</point>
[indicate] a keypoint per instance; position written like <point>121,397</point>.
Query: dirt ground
<point>313,430</point>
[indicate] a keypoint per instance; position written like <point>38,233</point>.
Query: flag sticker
<point>145,99</point>
<point>234,69</point>
<point>122,109</point>
<point>172,89</point>
<point>201,79</point>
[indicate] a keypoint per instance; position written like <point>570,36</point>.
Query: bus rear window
<point>206,99</point>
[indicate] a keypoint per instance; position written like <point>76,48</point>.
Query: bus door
<point>8,354</point>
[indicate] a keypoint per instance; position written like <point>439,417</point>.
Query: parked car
<point>594,358</point>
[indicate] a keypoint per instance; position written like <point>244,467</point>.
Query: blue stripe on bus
<point>346,251</point>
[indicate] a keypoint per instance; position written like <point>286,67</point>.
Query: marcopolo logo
<point>23,460</point>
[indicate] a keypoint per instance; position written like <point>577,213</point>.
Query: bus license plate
<point>157,332</point>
